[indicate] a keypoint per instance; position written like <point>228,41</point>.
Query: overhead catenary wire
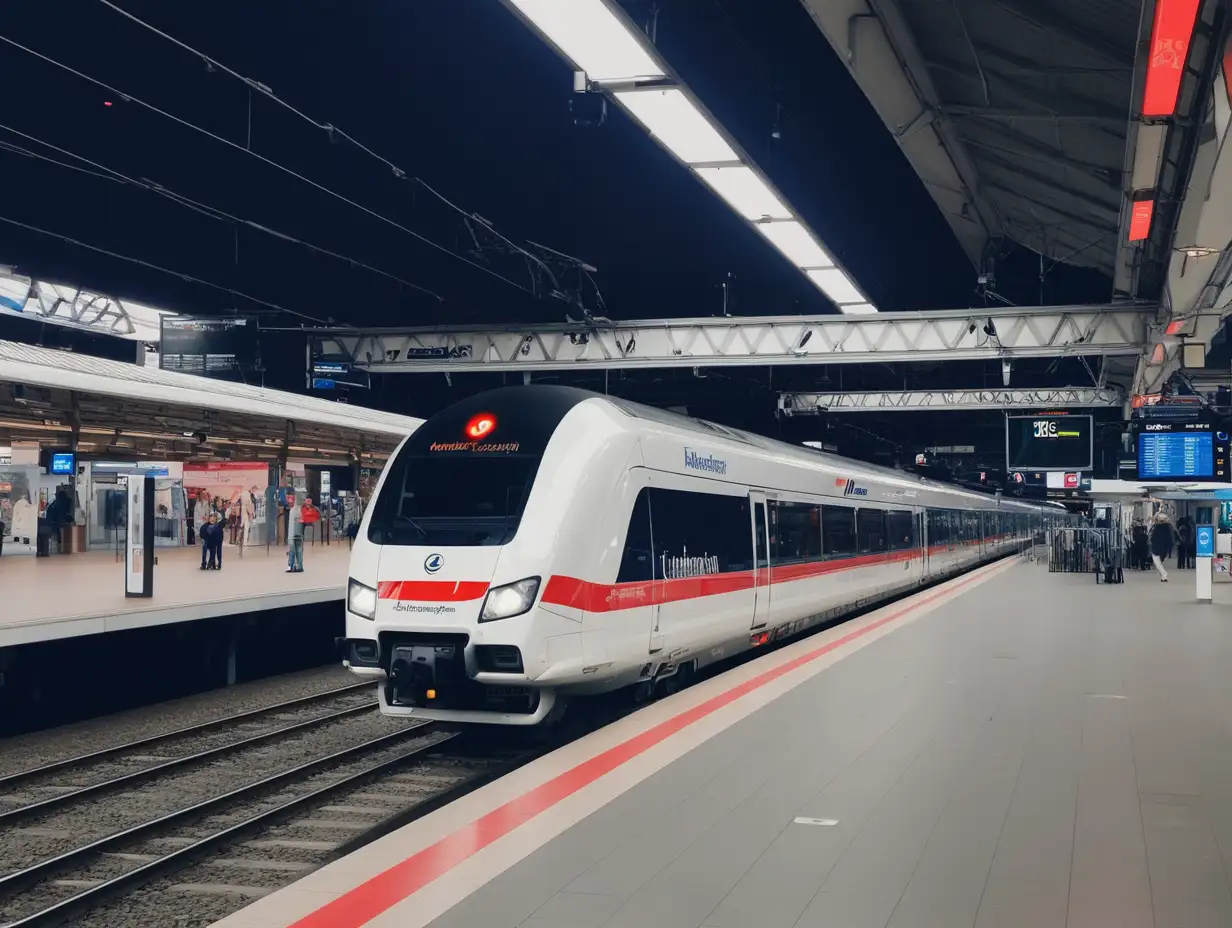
<point>204,209</point>
<point>129,98</point>
<point>156,267</point>
<point>331,130</point>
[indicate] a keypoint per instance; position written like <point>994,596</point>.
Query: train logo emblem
<point>433,563</point>
<point>850,489</point>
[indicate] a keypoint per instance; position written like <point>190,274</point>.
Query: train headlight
<point>361,599</point>
<point>504,602</point>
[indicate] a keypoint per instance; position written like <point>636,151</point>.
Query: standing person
<point>1161,543</point>
<point>219,538</point>
<point>1141,546</point>
<point>248,512</point>
<point>295,538</point>
<point>1186,543</point>
<point>235,516</point>
<point>211,543</point>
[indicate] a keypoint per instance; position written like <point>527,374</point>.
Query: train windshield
<point>445,501</point>
<point>463,478</point>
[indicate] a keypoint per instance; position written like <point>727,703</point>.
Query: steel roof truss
<point>952,335</point>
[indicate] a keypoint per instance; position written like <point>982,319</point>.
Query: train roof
<point>555,396</point>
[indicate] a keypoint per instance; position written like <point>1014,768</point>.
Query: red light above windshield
<point>481,426</point>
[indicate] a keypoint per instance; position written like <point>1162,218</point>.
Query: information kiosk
<point>1205,551</point>
<point>139,546</point>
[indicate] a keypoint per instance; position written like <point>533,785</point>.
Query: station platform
<point>64,596</point>
<point>1012,749</point>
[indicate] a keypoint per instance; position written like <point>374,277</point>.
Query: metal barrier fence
<point>1085,550</point>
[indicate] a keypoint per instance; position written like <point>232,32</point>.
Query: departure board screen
<point>1045,443</point>
<point>1182,451</point>
<point>1173,455</point>
<point>222,347</point>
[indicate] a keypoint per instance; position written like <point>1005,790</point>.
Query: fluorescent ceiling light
<point>794,241</point>
<point>593,37</point>
<point>745,192</point>
<point>858,309</point>
<point>836,285</point>
<point>679,126</point>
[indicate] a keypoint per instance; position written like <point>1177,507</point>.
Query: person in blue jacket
<point>211,543</point>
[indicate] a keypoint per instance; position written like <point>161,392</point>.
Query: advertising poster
<point>19,509</point>
<point>228,489</point>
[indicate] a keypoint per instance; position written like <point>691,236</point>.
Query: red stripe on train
<point>611,597</point>
<point>431,591</point>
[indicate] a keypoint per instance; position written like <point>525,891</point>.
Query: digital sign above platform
<point>1169,451</point>
<point>224,347</point>
<point>1049,442</point>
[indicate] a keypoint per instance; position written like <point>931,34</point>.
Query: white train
<point>538,542</point>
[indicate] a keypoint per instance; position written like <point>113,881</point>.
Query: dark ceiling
<point>460,94</point>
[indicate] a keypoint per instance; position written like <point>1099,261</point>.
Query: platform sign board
<point>1049,443</point>
<point>222,347</point>
<point>139,545</point>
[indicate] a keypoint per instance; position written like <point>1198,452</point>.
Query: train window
<point>761,535</point>
<point>441,500</point>
<point>938,527</point>
<point>446,487</point>
<point>796,530</point>
<point>637,562</point>
<point>699,533</point>
<point>871,530</point>
<point>900,530</point>
<point>838,531</point>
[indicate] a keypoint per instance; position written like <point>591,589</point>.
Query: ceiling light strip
<point>599,40</point>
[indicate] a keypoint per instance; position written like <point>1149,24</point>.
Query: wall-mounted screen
<point>1182,451</point>
<point>222,347</point>
<point>1047,442</point>
<point>63,463</point>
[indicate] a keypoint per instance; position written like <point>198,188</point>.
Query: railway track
<point>268,850</point>
<point>187,825</point>
<point>42,790</point>
<point>91,872</point>
<point>135,754</point>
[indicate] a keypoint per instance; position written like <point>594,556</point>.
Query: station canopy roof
<point>133,410</point>
<point>1014,113</point>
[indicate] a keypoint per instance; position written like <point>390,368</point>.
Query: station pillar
<point>1205,551</point>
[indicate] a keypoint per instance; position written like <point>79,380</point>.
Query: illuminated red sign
<point>480,426</point>
<point>1170,35</point>
<point>1140,220</point>
<point>1071,481</point>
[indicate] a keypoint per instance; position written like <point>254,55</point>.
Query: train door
<point>922,539</point>
<point>761,558</point>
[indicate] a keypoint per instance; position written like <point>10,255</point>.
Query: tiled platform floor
<point>1039,753</point>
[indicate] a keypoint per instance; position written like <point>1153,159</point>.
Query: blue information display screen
<point>1176,455</point>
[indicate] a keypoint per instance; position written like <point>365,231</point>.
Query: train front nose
<point>427,675</point>
<point>429,603</point>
